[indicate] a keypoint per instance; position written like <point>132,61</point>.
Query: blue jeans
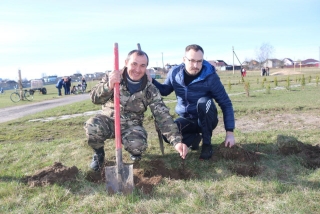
<point>206,122</point>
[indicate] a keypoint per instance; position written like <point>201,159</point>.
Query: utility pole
<point>300,65</point>
<point>20,85</point>
<point>233,58</point>
<point>234,54</point>
<point>162,61</point>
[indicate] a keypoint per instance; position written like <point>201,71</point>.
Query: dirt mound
<point>148,174</point>
<point>244,162</point>
<point>309,154</point>
<point>288,145</point>
<point>145,179</point>
<point>238,153</point>
<point>245,169</point>
<point>151,173</point>
<point>52,174</point>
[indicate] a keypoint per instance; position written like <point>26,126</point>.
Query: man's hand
<point>182,149</point>
<point>114,77</point>
<point>229,141</point>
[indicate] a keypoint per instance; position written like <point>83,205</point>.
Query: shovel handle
<point>117,101</point>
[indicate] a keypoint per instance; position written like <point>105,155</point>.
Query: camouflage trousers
<point>100,128</point>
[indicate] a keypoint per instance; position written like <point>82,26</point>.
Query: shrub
<point>268,88</point>
<point>229,85</point>
<point>303,82</point>
<point>275,81</point>
<point>288,83</point>
<point>247,88</point>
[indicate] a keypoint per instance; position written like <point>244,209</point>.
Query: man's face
<point>136,66</point>
<point>193,61</point>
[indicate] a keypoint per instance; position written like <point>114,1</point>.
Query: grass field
<point>265,107</point>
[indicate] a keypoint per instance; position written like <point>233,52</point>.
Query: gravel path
<point>12,113</point>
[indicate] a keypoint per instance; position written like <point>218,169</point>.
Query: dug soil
<point>244,163</point>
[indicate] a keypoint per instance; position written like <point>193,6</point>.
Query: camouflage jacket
<point>132,107</point>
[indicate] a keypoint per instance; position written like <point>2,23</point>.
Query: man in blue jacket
<point>59,86</point>
<point>196,85</point>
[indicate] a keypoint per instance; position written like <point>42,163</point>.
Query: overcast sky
<point>63,37</point>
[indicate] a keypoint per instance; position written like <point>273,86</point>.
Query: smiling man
<point>136,94</point>
<point>197,86</point>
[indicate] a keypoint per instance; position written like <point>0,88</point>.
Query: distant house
<point>245,65</point>
<point>254,64</point>
<point>310,62</point>
<point>9,84</point>
<point>152,73</point>
<point>89,76</point>
<point>251,65</point>
<point>158,69</point>
<point>50,79</point>
<point>213,62</point>
<point>156,72</point>
<point>99,74</point>
<point>219,64</point>
<point>273,63</point>
<point>302,63</point>
<point>96,75</point>
<point>231,67</point>
<point>169,66</point>
<point>287,62</point>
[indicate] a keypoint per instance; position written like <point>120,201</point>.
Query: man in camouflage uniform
<point>136,94</point>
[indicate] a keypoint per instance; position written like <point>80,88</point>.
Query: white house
<point>287,62</point>
<point>272,63</point>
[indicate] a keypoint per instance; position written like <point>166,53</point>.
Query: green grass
<point>284,186</point>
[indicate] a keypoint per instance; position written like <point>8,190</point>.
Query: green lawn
<point>284,184</point>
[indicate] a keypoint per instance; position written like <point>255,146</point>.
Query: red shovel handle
<point>117,101</point>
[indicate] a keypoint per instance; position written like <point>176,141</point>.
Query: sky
<point>63,37</point>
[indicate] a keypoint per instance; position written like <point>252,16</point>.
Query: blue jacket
<point>208,84</point>
<point>59,84</point>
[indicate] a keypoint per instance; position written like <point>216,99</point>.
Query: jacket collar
<point>206,70</point>
<point>124,80</point>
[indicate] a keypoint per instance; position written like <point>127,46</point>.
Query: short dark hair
<point>194,47</point>
<point>139,53</point>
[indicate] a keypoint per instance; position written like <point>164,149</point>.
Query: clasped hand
<point>182,149</point>
<point>114,77</point>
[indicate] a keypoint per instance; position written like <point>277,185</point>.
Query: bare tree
<point>264,52</point>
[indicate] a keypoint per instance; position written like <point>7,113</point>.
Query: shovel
<point>119,178</point>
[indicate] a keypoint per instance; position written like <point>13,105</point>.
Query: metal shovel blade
<point>119,179</point>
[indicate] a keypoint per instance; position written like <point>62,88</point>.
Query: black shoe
<point>97,160</point>
<point>196,142</point>
<point>206,152</point>
<point>135,157</point>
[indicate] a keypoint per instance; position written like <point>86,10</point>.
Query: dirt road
<point>12,113</point>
